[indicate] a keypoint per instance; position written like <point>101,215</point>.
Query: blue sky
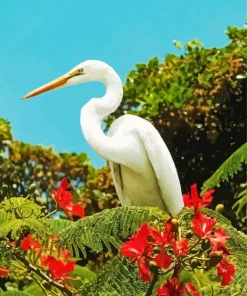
<point>40,40</point>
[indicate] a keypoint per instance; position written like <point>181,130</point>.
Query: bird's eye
<point>81,71</point>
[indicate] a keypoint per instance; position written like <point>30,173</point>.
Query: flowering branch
<point>203,247</point>
<point>43,275</point>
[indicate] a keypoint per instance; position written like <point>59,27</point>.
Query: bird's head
<point>91,70</point>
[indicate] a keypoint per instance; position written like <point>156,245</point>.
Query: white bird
<point>142,168</point>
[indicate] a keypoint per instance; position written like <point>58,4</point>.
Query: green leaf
<point>230,167</point>
<point>14,227</point>
<point>238,205</point>
<point>34,289</point>
<point>117,277</point>
<point>178,44</point>
<point>21,208</point>
<point>107,227</point>
<point>83,276</point>
<point>17,293</point>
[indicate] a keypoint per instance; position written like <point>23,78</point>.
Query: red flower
<point>139,249</point>
<point>4,271</point>
<point>226,270</point>
<point>193,200</point>
<point>29,243</point>
<point>144,269</point>
<point>163,260</point>
<point>59,270</point>
<point>181,247</point>
<point>171,287</point>
<point>202,225</point>
<point>45,260</point>
<point>64,200</point>
<point>75,210</point>
<point>218,241</point>
<point>165,237</point>
<point>191,289</point>
<point>64,254</point>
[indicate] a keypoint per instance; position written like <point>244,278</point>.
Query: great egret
<point>142,168</point>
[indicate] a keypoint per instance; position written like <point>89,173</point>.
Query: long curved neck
<point>96,110</point>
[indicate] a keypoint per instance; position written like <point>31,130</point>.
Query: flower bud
<point>31,188</point>
<point>219,208</point>
<point>152,263</point>
<point>175,221</point>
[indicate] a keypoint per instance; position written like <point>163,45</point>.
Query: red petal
<point>193,199</point>
<point>25,244</point>
<point>4,271</point>
<point>207,198</point>
<point>64,184</point>
<point>69,267</point>
<point>163,260</point>
<point>56,268</point>
<point>191,289</point>
<point>164,237</point>
<point>78,210</point>
<point>181,247</point>
<point>171,287</point>
<point>137,244</point>
<point>45,260</point>
<point>187,201</point>
<point>144,272</point>
<point>227,271</point>
<point>64,254</point>
<point>202,225</point>
<point>194,194</point>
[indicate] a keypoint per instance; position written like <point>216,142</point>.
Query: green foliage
<point>57,225</point>
<point>230,167</point>
<point>16,293</point>
<point>5,255</point>
<point>83,276</point>
<point>5,133</point>
<point>17,214</point>
<point>240,204</point>
<point>34,289</point>
<point>197,103</point>
<point>106,228</point>
<point>21,208</point>
<point>117,277</point>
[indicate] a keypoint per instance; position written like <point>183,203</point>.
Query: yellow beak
<point>49,86</point>
<point>53,84</point>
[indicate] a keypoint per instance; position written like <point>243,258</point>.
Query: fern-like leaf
<point>240,203</point>
<point>107,228</point>
<point>230,167</point>
<point>118,278</point>
<point>57,225</point>
<point>15,226</point>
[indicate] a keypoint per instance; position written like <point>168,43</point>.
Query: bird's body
<point>142,168</point>
<point>151,179</point>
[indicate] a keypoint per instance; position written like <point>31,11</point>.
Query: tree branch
<point>43,275</point>
<point>154,280</point>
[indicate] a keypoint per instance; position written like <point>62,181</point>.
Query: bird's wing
<point>117,179</point>
<point>163,166</point>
